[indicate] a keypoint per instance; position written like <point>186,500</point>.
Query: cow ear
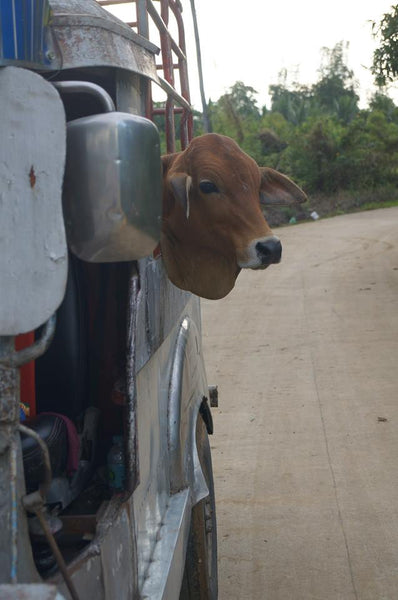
<point>278,190</point>
<point>181,184</point>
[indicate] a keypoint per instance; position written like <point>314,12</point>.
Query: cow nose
<point>269,251</point>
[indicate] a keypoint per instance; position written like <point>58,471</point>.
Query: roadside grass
<point>342,203</point>
<point>375,205</point>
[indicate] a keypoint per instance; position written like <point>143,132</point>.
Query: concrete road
<point>305,449</point>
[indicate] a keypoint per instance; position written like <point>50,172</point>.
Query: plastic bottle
<point>116,467</point>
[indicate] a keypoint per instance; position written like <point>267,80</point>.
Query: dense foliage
<point>385,59</point>
<point>318,135</point>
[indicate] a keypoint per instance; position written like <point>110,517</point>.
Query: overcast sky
<point>252,40</point>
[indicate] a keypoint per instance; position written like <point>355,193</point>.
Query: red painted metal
<point>27,374</point>
<point>186,119</point>
<point>173,61</point>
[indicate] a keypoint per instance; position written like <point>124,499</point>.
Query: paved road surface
<point>305,449</point>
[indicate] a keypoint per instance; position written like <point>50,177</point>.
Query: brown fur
<point>206,236</point>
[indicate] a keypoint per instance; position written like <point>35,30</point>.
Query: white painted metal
<point>33,255</point>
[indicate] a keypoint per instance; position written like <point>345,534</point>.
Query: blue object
<point>25,35</point>
<point>116,467</point>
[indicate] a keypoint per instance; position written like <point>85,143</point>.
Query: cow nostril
<point>270,251</point>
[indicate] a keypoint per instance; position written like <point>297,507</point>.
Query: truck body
<point>105,466</point>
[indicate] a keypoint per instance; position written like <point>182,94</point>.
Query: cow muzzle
<point>262,253</point>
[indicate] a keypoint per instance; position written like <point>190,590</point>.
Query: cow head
<point>213,225</point>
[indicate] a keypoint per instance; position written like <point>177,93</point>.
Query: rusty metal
<point>34,503</point>
<point>178,101</point>
<point>57,554</point>
<point>17,359</point>
<point>132,467</point>
<point>14,510</point>
<point>186,131</point>
<point>140,540</point>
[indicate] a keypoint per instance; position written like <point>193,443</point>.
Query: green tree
<point>385,57</point>
<point>335,90</point>
<point>312,155</point>
<point>334,93</point>
<point>293,102</point>
<point>236,114</point>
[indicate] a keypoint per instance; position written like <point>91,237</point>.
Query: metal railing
<point>173,66</point>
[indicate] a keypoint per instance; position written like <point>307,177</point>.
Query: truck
<point>106,477</point>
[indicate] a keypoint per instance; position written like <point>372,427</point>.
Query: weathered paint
<point>33,254</point>
<point>89,36</point>
<point>37,591</point>
<point>141,536</point>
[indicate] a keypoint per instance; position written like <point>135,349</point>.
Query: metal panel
<point>112,191</point>
<point>32,591</point>
<point>87,577</point>
<point>117,555</point>
<point>186,391</point>
<point>164,576</point>
<point>160,307</point>
<point>89,36</point>
<point>33,254</point>
<point>169,391</point>
<point>106,570</point>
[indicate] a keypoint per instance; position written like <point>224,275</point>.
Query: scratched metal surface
<point>89,36</point>
<point>169,391</point>
<point>21,591</point>
<point>16,563</point>
<point>140,544</point>
<point>33,256</point>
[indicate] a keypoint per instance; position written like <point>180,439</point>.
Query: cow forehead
<point>218,157</point>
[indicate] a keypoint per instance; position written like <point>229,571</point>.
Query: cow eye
<point>208,187</point>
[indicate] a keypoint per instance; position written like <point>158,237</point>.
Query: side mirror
<point>113,187</point>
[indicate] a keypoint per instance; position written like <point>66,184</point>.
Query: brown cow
<point>213,225</point>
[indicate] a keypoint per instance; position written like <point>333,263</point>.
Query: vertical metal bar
<point>16,561</point>
<point>132,467</point>
<point>1,34</point>
<point>143,29</point>
<point>186,128</point>
<point>32,29</point>
<point>205,112</point>
<point>9,413</point>
<point>167,62</point>
<point>14,509</point>
<point>42,25</point>
<point>14,26</point>
<point>149,101</point>
<point>170,126</point>
<point>142,18</point>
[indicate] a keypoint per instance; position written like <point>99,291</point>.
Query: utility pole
<point>206,117</point>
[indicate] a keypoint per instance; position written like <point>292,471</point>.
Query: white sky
<point>252,40</point>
